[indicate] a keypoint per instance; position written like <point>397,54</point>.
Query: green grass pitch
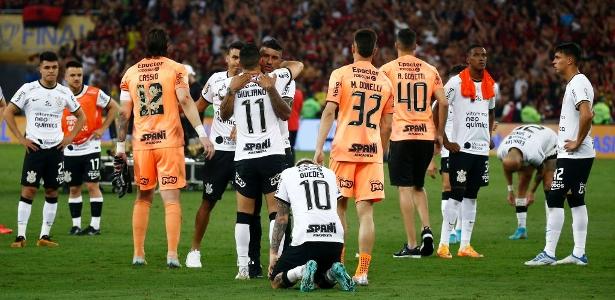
<point>99,267</point>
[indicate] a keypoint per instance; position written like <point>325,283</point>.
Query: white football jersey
<point>470,123</point>
<point>220,134</point>
<point>1,95</point>
<point>579,89</point>
<point>93,144</point>
<point>535,142</point>
<point>447,128</point>
<point>312,193</point>
<point>258,129</point>
<point>289,91</point>
<point>43,108</point>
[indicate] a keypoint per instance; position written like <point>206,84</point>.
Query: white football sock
<point>76,221</point>
<point>23,215</point>
<point>242,242</point>
<point>468,217</point>
<point>443,206</point>
<point>579,229</point>
<point>96,208</point>
<point>49,216</point>
<point>458,218</point>
<point>554,228</point>
<point>448,220</point>
<point>521,219</point>
<point>295,274</point>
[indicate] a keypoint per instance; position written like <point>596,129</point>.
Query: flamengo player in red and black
<point>43,102</point>
<point>82,157</point>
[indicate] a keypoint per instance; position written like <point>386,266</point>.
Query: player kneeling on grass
<point>318,236</point>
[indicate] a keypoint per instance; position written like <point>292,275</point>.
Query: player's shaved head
<point>570,49</point>
<point>365,40</point>
<point>513,161</point>
<point>472,47</point>
<point>249,56</point>
<point>406,39</point>
<point>156,43</point>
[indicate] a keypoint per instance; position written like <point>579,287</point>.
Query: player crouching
<point>318,236</point>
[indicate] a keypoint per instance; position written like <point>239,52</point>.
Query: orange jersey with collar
<point>150,84</point>
<point>90,102</point>
<point>363,95</point>
<point>414,82</point>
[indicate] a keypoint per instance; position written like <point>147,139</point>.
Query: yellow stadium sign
<point>17,42</point>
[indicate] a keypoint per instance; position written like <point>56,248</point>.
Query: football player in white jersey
<point>455,236</point>
<point>43,102</point>
<point>82,157</point>
<point>218,170</point>
<point>471,95</point>
<point>575,156</point>
<point>313,258</point>
<point>270,59</point>
<point>253,98</point>
<point>526,149</point>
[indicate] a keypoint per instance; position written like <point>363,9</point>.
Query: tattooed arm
<point>281,221</point>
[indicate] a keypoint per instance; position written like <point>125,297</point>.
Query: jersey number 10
<point>308,194</point>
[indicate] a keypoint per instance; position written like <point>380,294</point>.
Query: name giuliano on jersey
<point>470,118</point>
<point>43,108</point>
<point>258,128</point>
<point>312,193</point>
<point>92,101</point>
<point>289,91</point>
<point>579,89</point>
<point>535,142</point>
<point>220,134</point>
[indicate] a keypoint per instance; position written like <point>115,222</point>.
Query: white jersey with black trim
<point>93,144</point>
<point>220,135</point>
<point>312,193</point>
<point>258,129</point>
<point>578,89</point>
<point>470,123</point>
<point>289,91</point>
<point>535,142</point>
<point>43,108</point>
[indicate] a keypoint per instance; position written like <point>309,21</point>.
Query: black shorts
<point>80,168</point>
<point>444,165</point>
<point>46,164</point>
<point>217,173</point>
<point>570,175</point>
<point>258,175</point>
<point>289,158</point>
<point>324,253</point>
<point>469,171</point>
<point>408,162</point>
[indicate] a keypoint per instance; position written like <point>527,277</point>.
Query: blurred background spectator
<point>518,36</point>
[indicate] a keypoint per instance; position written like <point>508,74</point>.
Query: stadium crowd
<point>518,34</point>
